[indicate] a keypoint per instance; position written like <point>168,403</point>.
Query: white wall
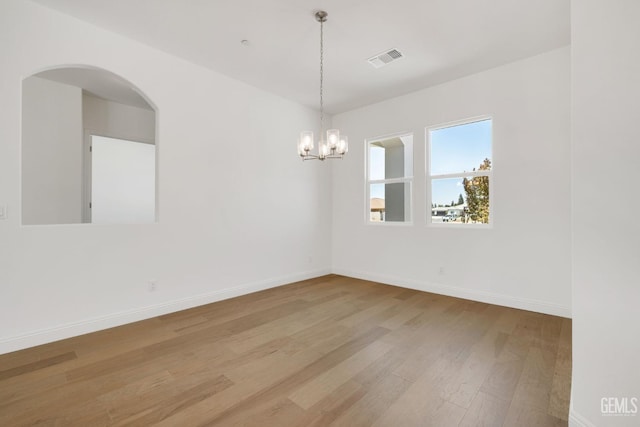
<point>51,153</point>
<point>123,181</point>
<point>524,259</point>
<point>606,153</point>
<point>108,118</point>
<point>111,119</point>
<point>239,210</point>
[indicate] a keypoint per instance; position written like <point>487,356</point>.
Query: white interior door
<point>122,181</point>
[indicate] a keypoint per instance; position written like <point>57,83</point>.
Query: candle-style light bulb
<point>333,138</point>
<point>343,145</point>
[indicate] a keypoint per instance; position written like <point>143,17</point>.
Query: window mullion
<point>390,181</point>
<point>461,175</point>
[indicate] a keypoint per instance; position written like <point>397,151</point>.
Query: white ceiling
<point>441,39</point>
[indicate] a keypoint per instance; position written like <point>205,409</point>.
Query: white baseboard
<point>466,293</point>
<point>69,330</point>
<point>577,420</point>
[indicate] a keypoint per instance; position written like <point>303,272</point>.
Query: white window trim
<point>367,183</point>
<point>430,178</point>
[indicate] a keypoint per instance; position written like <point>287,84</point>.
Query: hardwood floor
<point>329,351</point>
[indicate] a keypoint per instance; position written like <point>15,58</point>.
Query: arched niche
<point>89,151</point>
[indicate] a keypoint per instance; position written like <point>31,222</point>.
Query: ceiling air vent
<point>384,58</point>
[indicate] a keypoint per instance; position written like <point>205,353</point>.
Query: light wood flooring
<point>331,351</point>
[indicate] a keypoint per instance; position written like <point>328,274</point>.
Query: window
<point>459,174</point>
<point>389,176</point>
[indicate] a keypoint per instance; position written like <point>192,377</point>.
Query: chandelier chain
<point>321,77</point>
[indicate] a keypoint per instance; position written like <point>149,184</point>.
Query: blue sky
<point>376,159</point>
<point>453,149</point>
<point>460,148</point>
<point>457,149</point>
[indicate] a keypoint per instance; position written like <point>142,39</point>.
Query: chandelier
<point>334,147</point>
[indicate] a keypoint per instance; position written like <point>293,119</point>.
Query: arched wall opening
<point>89,149</point>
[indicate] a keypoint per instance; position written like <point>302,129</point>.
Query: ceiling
<point>440,39</point>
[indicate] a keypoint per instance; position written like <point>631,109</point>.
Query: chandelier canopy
<point>334,146</point>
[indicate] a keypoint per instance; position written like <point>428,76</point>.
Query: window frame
<point>430,178</point>
<point>406,179</point>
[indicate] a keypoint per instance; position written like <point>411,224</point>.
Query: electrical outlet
<point>153,286</point>
<point>441,271</point>
<point>3,212</point>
